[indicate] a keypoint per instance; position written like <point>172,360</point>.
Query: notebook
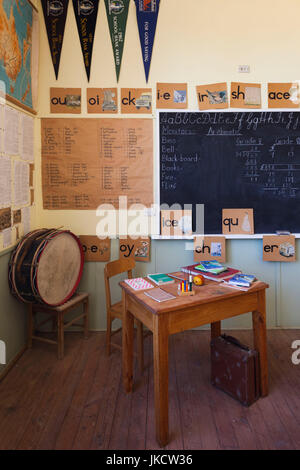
<point>159,295</point>
<point>211,266</point>
<point>160,279</point>
<point>243,280</point>
<point>138,283</point>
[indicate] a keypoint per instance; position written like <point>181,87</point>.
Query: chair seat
<point>59,312</point>
<point>76,299</point>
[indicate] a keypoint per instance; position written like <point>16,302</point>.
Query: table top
<point>211,291</point>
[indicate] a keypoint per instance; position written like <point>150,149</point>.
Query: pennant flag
<point>86,16</point>
<point>147,13</point>
<point>117,12</point>
<point>55,14</point>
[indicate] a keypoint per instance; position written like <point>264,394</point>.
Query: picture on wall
<point>19,52</point>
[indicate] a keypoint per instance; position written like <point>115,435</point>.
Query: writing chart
<point>232,160</point>
<point>88,162</point>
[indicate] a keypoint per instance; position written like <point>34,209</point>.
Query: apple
<point>198,280</point>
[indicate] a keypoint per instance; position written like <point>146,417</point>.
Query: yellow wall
<point>197,42</point>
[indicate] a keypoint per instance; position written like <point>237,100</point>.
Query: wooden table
<point>211,304</point>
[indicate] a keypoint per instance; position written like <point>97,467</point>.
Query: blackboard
<point>232,160</point>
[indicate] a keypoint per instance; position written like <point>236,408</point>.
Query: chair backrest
<point>113,269</point>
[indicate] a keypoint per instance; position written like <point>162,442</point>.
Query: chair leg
<point>86,318</point>
<point>140,345</point>
<point>108,333</point>
<point>54,323</point>
<point>30,326</point>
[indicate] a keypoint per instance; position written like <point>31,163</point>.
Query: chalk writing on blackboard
<point>233,160</point>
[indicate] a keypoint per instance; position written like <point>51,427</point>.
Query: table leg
<point>140,345</point>
<point>127,345</point>
<point>260,341</point>
<point>161,372</point>
<point>215,329</point>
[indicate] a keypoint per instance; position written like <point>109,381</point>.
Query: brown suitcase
<point>234,369</point>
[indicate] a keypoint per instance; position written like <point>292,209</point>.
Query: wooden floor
<point>79,402</point>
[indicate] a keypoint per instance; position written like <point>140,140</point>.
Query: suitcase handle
<point>235,341</point>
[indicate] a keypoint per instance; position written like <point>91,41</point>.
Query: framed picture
<point>19,42</point>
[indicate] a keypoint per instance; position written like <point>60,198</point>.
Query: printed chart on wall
<point>88,162</point>
<point>16,174</point>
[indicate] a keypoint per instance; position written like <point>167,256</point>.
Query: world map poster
<point>18,56</point>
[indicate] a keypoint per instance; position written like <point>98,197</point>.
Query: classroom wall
<point>13,320</point>
<point>198,43</point>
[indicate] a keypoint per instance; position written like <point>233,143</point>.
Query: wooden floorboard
<point>80,403</point>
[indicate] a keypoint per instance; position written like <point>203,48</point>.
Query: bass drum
<point>46,267</point>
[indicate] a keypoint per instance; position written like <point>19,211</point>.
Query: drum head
<point>59,269</point>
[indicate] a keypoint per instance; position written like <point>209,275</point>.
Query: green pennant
<point>117,13</point>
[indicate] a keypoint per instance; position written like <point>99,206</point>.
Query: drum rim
<point>11,272</point>
<point>79,274</point>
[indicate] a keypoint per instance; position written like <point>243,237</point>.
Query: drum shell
<point>19,275</point>
<point>23,279</point>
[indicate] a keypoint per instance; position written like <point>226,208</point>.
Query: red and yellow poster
<point>102,100</point>
<point>65,100</point>
<point>209,248</point>
<point>171,96</point>
<point>245,95</point>
<point>279,248</point>
<point>136,248</point>
<point>136,100</point>
<point>237,221</point>
<point>283,95</point>
<point>212,96</point>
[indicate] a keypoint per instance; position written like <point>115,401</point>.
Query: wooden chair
<point>114,311</point>
<point>56,315</point>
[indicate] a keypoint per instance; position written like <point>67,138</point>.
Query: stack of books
<point>224,273</point>
<point>241,281</point>
<point>212,267</point>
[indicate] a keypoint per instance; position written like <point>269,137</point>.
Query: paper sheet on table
<point>7,237</point>
<point>11,131</point>
<point>5,181</point>
<point>26,215</point>
<point>21,183</point>
<point>27,123</point>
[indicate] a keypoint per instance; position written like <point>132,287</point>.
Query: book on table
<point>239,287</point>
<point>160,279</point>
<point>139,283</point>
<point>212,266</point>
<point>243,280</point>
<point>227,274</point>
